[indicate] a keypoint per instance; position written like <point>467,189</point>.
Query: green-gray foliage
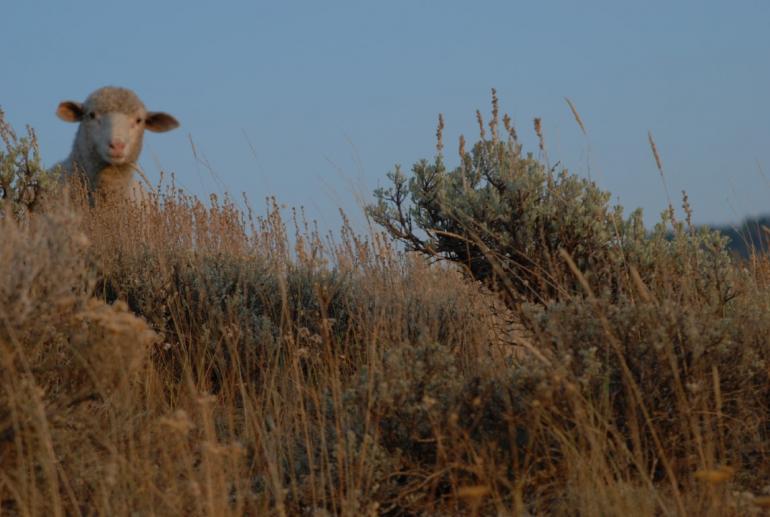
<point>507,219</point>
<point>23,179</point>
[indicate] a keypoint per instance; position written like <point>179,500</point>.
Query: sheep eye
<point>92,115</point>
<point>139,121</point>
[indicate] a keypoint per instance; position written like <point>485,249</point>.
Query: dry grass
<point>183,359</point>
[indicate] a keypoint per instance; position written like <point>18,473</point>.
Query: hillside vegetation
<point>534,351</point>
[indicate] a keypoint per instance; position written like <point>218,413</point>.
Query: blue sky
<point>315,102</point>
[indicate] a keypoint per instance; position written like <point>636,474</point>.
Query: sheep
<point>109,140</point>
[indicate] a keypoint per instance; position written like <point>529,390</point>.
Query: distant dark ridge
<point>753,235</point>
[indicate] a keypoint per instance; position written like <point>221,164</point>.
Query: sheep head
<point>112,124</point>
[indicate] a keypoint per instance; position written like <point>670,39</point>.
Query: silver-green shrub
<point>23,179</point>
<point>507,219</point>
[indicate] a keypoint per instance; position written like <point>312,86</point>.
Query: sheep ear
<point>160,122</point>
<point>70,111</point>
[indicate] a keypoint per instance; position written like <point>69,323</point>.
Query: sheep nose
<point>117,146</point>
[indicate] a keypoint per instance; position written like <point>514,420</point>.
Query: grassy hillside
<point>539,352</point>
